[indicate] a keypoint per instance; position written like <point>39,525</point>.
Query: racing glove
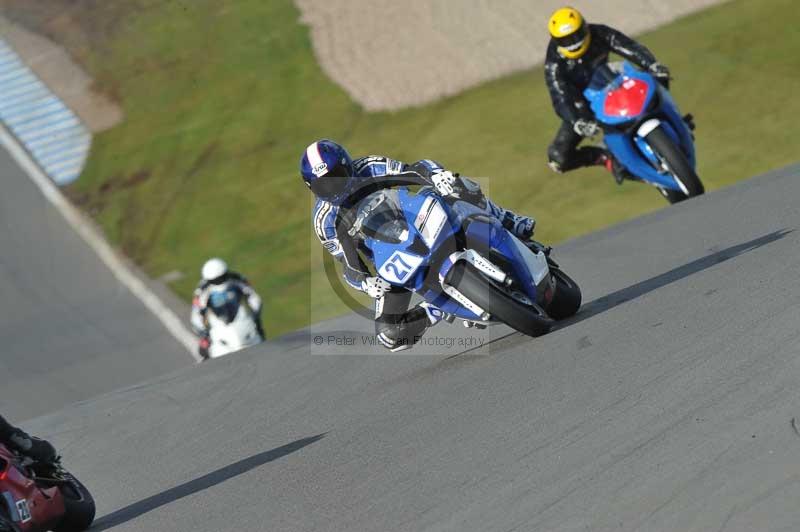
<point>586,128</point>
<point>375,287</point>
<point>444,182</point>
<point>35,448</point>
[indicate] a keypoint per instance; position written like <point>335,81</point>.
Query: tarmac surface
<point>68,330</point>
<point>669,403</point>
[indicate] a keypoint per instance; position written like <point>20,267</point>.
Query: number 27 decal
<point>399,267</point>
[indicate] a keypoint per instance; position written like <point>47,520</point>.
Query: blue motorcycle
<point>463,262</point>
<point>644,129</point>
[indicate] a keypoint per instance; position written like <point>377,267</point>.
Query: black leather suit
<point>567,78</point>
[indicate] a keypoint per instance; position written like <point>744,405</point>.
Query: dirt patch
<point>390,55</point>
<point>78,25</point>
<point>95,203</point>
<point>30,29</point>
<point>123,182</point>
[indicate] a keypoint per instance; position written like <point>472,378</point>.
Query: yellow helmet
<point>570,32</point>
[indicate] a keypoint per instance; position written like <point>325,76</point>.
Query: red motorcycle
<point>37,497</point>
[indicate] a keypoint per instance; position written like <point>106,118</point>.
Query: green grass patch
<point>222,97</point>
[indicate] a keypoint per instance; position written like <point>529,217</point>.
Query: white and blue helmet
<point>213,270</point>
<point>327,169</point>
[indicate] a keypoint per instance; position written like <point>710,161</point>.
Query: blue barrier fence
<point>48,129</point>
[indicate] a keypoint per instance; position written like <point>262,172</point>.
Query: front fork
<point>549,292</point>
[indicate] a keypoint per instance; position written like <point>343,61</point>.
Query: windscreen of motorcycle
<point>604,76</point>
<point>380,217</point>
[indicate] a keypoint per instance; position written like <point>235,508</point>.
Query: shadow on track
<point>614,299</point>
<point>219,476</point>
<point>637,290</point>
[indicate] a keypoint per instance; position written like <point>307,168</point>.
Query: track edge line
<point>98,244</point>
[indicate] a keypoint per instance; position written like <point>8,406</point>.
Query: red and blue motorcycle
<point>644,130</point>
<point>36,497</point>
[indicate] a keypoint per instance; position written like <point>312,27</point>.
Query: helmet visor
<point>328,186</point>
<point>574,40</point>
<point>219,280</point>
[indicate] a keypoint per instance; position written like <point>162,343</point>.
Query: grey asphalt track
<point>68,329</point>
<point>667,404</point>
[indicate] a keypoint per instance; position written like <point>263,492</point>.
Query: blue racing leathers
<point>396,326</point>
<point>375,172</point>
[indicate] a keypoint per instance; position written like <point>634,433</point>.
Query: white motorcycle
<point>232,322</point>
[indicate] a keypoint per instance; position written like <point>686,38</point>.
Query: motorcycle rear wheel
<point>527,318</point>
<point>78,505</point>
<point>676,161</point>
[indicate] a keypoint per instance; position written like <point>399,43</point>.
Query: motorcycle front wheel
<point>678,165</point>
<point>503,305</point>
<point>79,508</point>
<point>567,298</point>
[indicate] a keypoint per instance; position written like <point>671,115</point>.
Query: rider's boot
<point>619,172</point>
<point>36,448</point>
<point>204,346</point>
<point>521,227</point>
<point>398,333</point>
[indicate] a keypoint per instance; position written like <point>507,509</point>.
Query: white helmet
<point>213,269</point>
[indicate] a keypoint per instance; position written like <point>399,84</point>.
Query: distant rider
<point>215,272</point>
<point>576,49</point>
<point>339,183</point>
<point>18,440</point>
